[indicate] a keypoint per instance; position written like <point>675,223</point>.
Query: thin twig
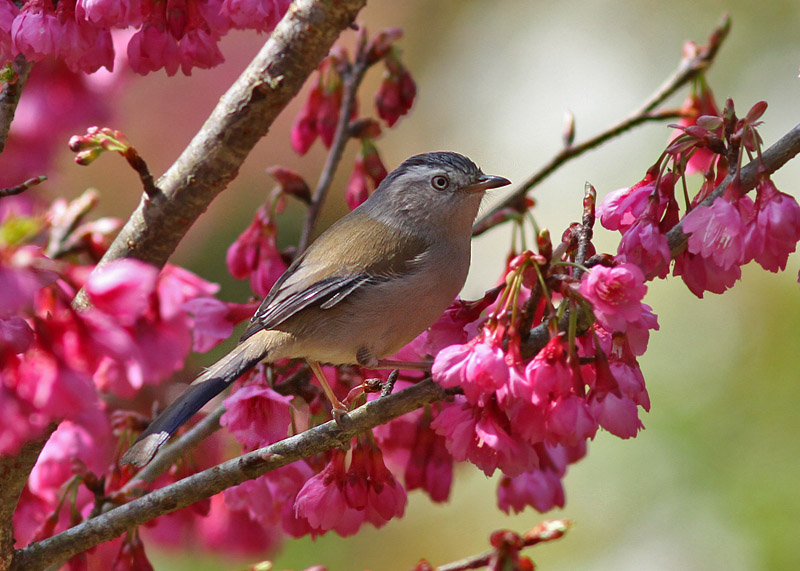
<point>688,69</point>
<point>545,531</point>
<point>243,116</point>
<point>20,188</point>
<point>352,78</point>
<point>212,481</point>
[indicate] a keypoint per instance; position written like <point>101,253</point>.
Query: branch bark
<point>214,480</point>
<point>13,476</point>
<point>243,116</point>
<point>9,96</point>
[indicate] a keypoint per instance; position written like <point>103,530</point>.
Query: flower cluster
<point>169,35</point>
<point>726,229</point>
<point>531,418</point>
<point>62,369</point>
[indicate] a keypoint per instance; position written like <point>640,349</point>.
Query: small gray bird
<point>365,288</point>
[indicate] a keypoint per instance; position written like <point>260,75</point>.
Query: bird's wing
<point>335,266</point>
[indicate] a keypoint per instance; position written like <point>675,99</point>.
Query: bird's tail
<point>208,385</point>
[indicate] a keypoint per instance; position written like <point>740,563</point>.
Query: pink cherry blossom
<point>644,245</point>
<point>618,415</point>
<point>256,415</point>
<point>615,294</point>
<point>704,274</point>
<point>233,531</point>
<point>717,232</point>
<point>621,208</point>
<point>540,489</point>
<point>478,367</point>
<point>482,436</point>
<point>152,47</point>
<point>110,13</point>
<point>305,131</point>
<point>35,30</point>
<point>570,421</point>
<point>122,288</point>
<point>322,503</point>
<point>776,228</point>
<point>255,254</point>
<point>261,15</point>
<point>396,93</point>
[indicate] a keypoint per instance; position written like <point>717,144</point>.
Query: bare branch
<point>243,116</point>
<point>13,476</point>
<point>688,69</point>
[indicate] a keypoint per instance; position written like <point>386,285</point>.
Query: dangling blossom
<point>645,246</point>
<point>717,232</point>
<point>774,233</point>
<point>255,254</point>
<point>256,415</point>
<point>478,367</point>
<point>621,208</point>
<point>615,294</point>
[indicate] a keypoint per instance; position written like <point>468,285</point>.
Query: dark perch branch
<point>780,153</point>
<point>212,481</point>
<point>243,116</point>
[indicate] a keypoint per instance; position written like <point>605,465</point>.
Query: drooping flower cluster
<point>169,35</point>
<point>531,418</point>
<point>727,229</point>
<point>320,116</point>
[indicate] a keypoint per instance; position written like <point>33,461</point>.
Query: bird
<point>366,287</point>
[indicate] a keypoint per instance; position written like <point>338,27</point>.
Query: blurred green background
<point>714,480</point>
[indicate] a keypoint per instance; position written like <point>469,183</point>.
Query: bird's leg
<point>338,409</point>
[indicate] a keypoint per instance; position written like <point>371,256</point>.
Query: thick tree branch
<point>214,480</point>
<point>9,96</point>
<point>13,476</point>
<point>688,69</point>
<point>243,116</point>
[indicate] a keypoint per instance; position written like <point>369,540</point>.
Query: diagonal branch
<point>214,480</point>
<point>242,117</point>
<point>688,69</point>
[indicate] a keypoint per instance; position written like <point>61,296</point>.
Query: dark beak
<point>486,182</point>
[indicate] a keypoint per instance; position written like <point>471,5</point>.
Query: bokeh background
<point>714,480</point>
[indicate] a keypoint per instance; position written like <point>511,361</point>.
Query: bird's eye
<point>440,182</point>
